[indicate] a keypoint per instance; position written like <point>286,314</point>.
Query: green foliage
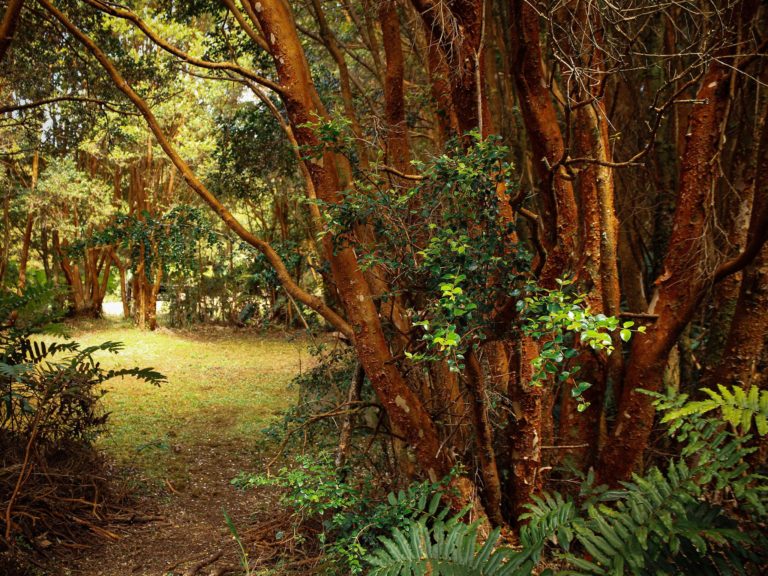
<point>704,514</point>
<point>169,240</point>
<point>252,153</point>
<point>450,246</point>
<point>333,134</point>
<point>740,408</point>
<point>71,198</point>
<point>560,318</point>
<point>49,391</point>
<point>447,548</point>
<point>351,517</point>
<point>321,389</point>
<point>444,242</point>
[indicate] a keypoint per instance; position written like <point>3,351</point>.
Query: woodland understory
<point>538,227</point>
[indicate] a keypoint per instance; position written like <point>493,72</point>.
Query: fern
<point>549,520</point>
<point>664,522</point>
<point>739,408</point>
<point>673,522</point>
<point>445,549</point>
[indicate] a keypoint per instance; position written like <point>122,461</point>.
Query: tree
<point>615,185</point>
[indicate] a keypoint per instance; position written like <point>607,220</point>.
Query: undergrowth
<point>51,480</point>
<point>705,513</point>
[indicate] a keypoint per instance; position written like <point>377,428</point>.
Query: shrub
<point>704,514</point>
<point>49,415</point>
<point>345,515</point>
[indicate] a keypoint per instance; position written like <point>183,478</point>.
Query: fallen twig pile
<point>56,499</point>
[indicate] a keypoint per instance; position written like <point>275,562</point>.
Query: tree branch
<point>8,25</point>
<point>196,184</point>
<point>154,37</point>
<point>247,28</point>
<point>45,101</point>
<point>757,233</point>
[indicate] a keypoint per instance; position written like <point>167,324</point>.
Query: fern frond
<point>444,549</point>
<point>739,408</point>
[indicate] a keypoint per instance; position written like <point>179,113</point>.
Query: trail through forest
<point>179,446</point>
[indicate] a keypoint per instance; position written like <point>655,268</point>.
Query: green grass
<point>224,387</point>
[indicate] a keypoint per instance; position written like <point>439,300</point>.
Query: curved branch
<point>247,28</point>
<point>44,101</point>
<point>399,174</point>
<point>154,37</point>
<point>196,184</point>
<point>757,233</point>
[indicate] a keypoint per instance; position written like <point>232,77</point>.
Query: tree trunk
<point>27,238</point>
<point>524,430</point>
<point>8,25</point>
<point>4,250</point>
<point>404,408</point>
<point>486,455</point>
<point>398,151</point>
<point>681,286</point>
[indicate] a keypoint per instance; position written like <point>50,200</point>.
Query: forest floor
<point>178,446</point>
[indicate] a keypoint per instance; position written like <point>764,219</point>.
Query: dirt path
<point>192,528</point>
<point>186,441</point>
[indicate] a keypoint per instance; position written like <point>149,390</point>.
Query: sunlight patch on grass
<point>224,386</point>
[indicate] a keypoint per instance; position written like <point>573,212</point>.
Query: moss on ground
<point>224,386</point>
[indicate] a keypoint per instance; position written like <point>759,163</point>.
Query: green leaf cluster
<point>49,391</point>
<point>351,514</point>
<point>704,514</point>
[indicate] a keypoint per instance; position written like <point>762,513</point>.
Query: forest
<point>441,287</point>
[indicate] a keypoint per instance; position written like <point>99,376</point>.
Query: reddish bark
<point>681,286</point>
<point>87,283</point>
<point>24,258</point>
<point>447,121</point>
<point>749,326</point>
<point>8,25</point>
<point>398,152</point>
<point>559,212</point>
<point>27,237</point>
<point>524,430</point>
<point>486,455</point>
<point>746,339</point>
<point>4,250</point>
<point>458,28</point>
<point>403,407</point>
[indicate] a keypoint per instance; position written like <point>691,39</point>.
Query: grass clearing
<point>224,386</point>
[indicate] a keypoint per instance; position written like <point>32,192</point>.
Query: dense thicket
<point>519,213</point>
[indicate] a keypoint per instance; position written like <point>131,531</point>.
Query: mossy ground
<point>224,387</point>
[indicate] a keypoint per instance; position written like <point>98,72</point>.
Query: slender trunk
<point>6,236</point>
<point>27,238</point>
<point>681,286</point>
<point>746,338</point>
<point>24,258</point>
<point>398,152</point>
<point>486,455</point>
<point>460,36</point>
<point>345,84</point>
<point>45,253</point>
<point>558,204</point>
<point>345,436</point>
<point>121,268</point>
<point>524,430</point>
<point>447,122</point>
